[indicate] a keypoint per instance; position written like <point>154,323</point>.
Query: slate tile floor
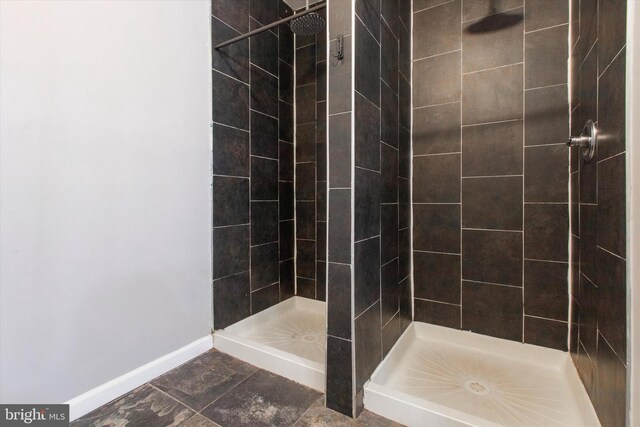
<point>215,389</point>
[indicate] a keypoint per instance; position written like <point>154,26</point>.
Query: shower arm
<point>270,26</point>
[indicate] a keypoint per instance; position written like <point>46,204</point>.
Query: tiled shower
<point>424,177</point>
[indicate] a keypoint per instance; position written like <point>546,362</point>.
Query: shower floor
<point>288,339</point>
<point>443,377</point>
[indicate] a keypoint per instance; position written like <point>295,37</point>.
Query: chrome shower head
<point>307,25</point>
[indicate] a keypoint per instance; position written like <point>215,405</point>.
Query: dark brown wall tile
<point>478,8</point>
<point>436,313</point>
<point>339,308</point>
<point>265,267</point>
<point>230,250</point>
<point>367,133</point>
<point>612,227</point>
<point>492,149</point>
<point>230,200</point>
<point>436,129</point>
<point>231,299</point>
<point>546,13</point>
<point>340,226</point>
<point>367,59</point>
<point>492,256</point>
<point>483,48</point>
<point>436,80</point>
<point>546,115</point>
<point>389,290</point>
<point>545,174</point>
<point>366,271</point>
<point>492,203</point>
<point>611,387</point>
<point>340,151</point>
<point>339,376</point>
<point>366,204</point>
<point>230,151</point>
<point>436,228</point>
<point>492,95</point>
<point>612,301</point>
<point>546,231</point>
<point>437,30</point>
<point>545,289</point>
<point>546,52</point>
<point>492,310</point>
<point>546,333</point>
<point>368,344</point>
<point>436,179</point>
<point>264,222</point>
<point>437,277</point>
<point>265,298</point>
<point>611,107</point>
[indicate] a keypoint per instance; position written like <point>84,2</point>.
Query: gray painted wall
<point>105,258</point>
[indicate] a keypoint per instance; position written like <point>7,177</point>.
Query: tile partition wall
<point>381,181</point>
<point>311,164</point>
<point>598,201</point>
<point>490,198</point>
<point>253,227</point>
<point>339,386</point>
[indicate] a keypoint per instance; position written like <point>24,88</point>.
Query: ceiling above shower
<point>299,4</point>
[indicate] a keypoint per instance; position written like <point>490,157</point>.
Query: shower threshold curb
<point>294,367</point>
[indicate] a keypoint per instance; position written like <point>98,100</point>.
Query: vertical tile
<point>546,52</point>
<point>436,129</point>
<point>492,203</point>
<point>264,179</point>
<point>611,223</point>
<point>265,298</point>
<point>230,250</point>
<point>492,149</point>
<point>366,269</point>
<point>437,30</point>
<point>339,376</point>
<point>339,301</point>
<point>546,13</point>
<point>546,175</point>
<point>264,135</point>
<point>232,60</point>
<point>230,300</point>
<point>389,58</point>
<point>611,107</point>
<point>546,289</point>
<point>231,103</point>
<point>265,266</point>
<point>437,277</point>
<point>546,115</point>
<point>612,302</point>
<point>546,333</point>
<point>367,204</point>
<point>436,228</point>
<point>492,310</point>
<point>264,93</point>
<point>230,201</point>
<point>368,344</point>
<point>230,151</point>
<point>389,290</point>
<point>435,80</point>
<point>546,231</point>
<point>340,151</point>
<point>388,233</point>
<point>492,256</point>
<point>264,222</point>
<point>483,47</point>
<point>367,63</point>
<point>367,133</point>
<point>611,386</point>
<point>437,313</point>
<point>492,95</point>
<point>340,226</point>
<point>436,179</point>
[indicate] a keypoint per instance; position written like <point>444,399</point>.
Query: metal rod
<point>270,26</point>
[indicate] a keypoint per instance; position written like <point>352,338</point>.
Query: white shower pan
<point>441,377</point>
<point>288,339</point>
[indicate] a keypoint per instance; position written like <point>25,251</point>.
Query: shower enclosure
<point>404,227</point>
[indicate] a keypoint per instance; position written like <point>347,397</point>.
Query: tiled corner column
<point>340,375</point>
<point>598,203</point>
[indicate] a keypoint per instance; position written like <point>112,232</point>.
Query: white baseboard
<point>105,393</point>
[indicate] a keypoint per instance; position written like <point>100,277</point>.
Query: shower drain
<point>476,387</point>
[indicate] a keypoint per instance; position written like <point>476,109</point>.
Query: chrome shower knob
<point>587,140</point>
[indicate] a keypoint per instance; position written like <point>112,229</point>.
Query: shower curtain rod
<point>269,26</point>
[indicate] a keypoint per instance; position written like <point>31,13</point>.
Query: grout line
<point>232,388</point>
<point>231,77</point>
<point>150,383</point>
<point>492,68</point>
<point>229,126</point>
<point>492,123</point>
<point>492,283</point>
<point>230,275</point>
<point>547,28</point>
<point>432,7</point>
<point>436,55</point>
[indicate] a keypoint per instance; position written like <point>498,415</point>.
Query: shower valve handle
<point>586,141</point>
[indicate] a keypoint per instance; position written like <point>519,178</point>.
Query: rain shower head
<point>307,25</point>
